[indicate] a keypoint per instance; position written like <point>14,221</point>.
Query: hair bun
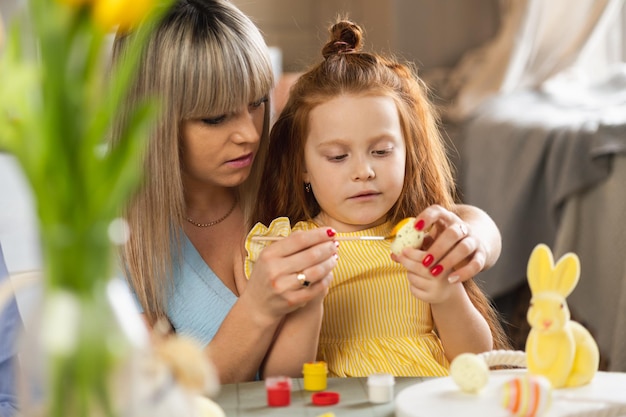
<point>345,37</point>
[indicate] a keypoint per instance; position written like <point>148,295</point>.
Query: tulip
<point>121,13</point>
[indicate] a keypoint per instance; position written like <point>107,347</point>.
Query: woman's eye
<point>258,103</point>
<point>214,120</point>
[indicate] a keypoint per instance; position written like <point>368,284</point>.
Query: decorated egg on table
<point>527,395</point>
<point>405,235</point>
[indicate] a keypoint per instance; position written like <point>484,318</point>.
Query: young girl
<point>357,149</point>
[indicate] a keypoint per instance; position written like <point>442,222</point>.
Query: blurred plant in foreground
<point>57,104</point>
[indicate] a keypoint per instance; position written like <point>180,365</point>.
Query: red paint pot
<point>278,391</point>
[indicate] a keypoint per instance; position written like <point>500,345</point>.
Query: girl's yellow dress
<point>372,323</point>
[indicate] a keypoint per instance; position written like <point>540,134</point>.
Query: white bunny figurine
<point>558,348</point>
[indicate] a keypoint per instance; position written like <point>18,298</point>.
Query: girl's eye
<point>259,102</point>
<point>214,120</point>
<point>337,158</point>
<point>382,152</point>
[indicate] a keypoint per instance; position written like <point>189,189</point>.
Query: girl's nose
<point>363,171</point>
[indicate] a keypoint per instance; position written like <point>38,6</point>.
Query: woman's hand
<point>250,330</point>
<point>292,272</point>
<point>452,249</point>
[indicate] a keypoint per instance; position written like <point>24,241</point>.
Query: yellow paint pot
<point>314,376</point>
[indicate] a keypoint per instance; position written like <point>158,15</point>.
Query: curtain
<point>541,44</point>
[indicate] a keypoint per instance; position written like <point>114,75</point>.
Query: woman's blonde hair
<point>204,58</point>
<point>346,69</point>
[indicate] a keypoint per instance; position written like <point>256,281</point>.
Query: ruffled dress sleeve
<point>278,227</point>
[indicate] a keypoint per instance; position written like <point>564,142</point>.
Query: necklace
<point>214,222</point>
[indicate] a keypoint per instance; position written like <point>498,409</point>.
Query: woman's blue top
<point>200,301</point>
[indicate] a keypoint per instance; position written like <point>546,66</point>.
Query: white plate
<point>442,398</point>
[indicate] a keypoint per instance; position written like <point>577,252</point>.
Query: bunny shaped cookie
<point>558,348</point>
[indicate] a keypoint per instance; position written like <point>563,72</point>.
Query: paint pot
<point>325,398</point>
<point>315,376</point>
<point>278,391</point>
<point>380,388</point>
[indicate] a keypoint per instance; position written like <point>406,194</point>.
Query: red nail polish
<point>436,270</point>
<point>428,259</point>
<point>419,225</point>
<point>330,232</point>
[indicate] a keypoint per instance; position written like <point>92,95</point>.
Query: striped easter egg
<point>527,396</point>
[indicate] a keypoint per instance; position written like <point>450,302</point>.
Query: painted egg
<point>405,235</point>
<point>527,396</point>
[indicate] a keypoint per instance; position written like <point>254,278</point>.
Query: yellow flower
<point>122,13</point>
<point>74,3</point>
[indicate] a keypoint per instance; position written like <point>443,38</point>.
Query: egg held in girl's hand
<point>406,235</point>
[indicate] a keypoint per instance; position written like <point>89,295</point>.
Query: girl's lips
<point>365,196</point>
<point>242,162</point>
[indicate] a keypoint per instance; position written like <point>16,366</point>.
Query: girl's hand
<point>451,250</point>
<point>423,285</point>
<point>292,272</point>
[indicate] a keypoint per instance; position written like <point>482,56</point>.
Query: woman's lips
<point>242,162</point>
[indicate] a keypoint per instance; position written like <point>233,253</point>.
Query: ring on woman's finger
<point>302,279</point>
<point>463,229</point>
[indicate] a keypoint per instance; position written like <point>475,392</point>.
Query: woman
<point>210,68</point>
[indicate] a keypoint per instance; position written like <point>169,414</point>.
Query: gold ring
<point>302,279</point>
